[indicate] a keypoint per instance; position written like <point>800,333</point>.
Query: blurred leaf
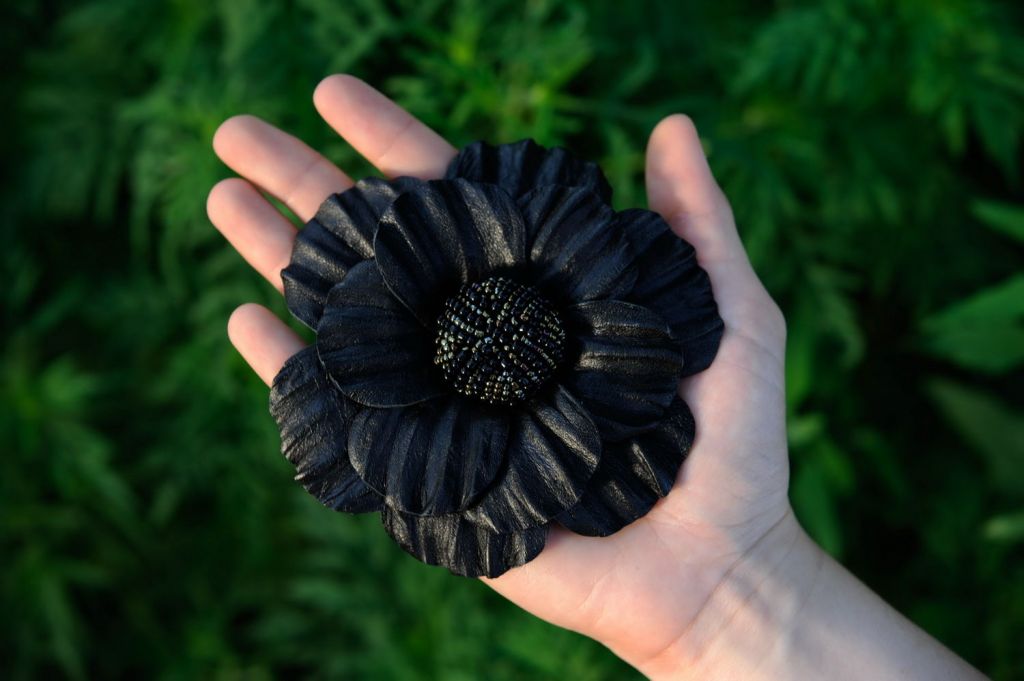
<point>805,429</point>
<point>1002,217</point>
<point>1007,528</point>
<point>984,331</point>
<point>815,503</point>
<point>992,429</point>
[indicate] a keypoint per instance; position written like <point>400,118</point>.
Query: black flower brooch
<point>495,351</point>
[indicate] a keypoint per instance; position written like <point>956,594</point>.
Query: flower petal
<point>553,450</point>
<point>576,252</point>
<point>319,260</point>
<point>671,283</point>
<point>373,349</point>
<point>432,458</point>
<point>462,547</point>
<point>626,366</point>
<point>431,241</point>
<point>339,236</point>
<point>312,418</point>
<point>633,475</point>
<point>522,166</point>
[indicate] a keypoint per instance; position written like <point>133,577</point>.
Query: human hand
<point>721,559</point>
<point>639,589</point>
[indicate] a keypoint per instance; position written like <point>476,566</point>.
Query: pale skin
<point>718,581</point>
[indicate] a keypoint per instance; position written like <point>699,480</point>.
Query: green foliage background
<point>148,528</point>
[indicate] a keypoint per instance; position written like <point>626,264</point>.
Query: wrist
<point>751,615</point>
<point>786,610</point>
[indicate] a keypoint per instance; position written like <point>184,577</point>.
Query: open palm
<point>641,590</point>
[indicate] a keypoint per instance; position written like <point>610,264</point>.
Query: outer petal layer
<point>462,547</point>
<point>311,417</point>
<point>553,450</point>
<point>573,248</point>
<point>520,167</point>
<point>432,458</point>
<point>339,236</point>
<point>373,349</point>
<point>633,475</point>
<point>626,368</point>
<point>431,241</point>
<point>671,283</point>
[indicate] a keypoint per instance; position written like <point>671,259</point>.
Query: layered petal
<point>673,284</point>
<point>633,475</point>
<point>339,236</point>
<point>553,450</point>
<point>312,418</point>
<point>625,365</point>
<point>373,349</point>
<point>573,250</point>
<point>520,167</point>
<point>431,241</point>
<point>432,458</point>
<point>462,547</point>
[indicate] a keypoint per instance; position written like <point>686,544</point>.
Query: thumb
<point>681,187</point>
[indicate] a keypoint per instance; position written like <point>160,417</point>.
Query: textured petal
<point>553,450</point>
<point>319,260</point>
<point>374,350</point>
<point>462,547</point>
<point>625,365</point>
<point>573,248</point>
<point>671,283</point>
<point>312,418</point>
<point>429,242</point>
<point>633,475</point>
<point>339,236</point>
<point>432,458</point>
<point>522,166</point>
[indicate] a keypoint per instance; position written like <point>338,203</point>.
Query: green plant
<point>871,151</point>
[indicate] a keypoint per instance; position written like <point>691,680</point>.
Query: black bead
<point>498,341</point>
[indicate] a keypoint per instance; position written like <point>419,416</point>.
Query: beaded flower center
<point>498,340</point>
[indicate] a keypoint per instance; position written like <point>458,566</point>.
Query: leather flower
<point>495,351</point>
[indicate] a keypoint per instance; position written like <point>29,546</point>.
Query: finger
<point>263,340</point>
<point>387,135</point>
<point>255,228</point>
<point>280,164</point>
<point>681,187</point>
